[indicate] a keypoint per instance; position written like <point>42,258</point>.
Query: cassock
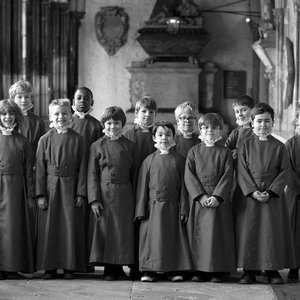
<point>183,145</point>
<point>209,171</point>
<point>88,127</point>
<point>61,176</point>
<point>161,200</point>
<point>16,186</point>
<point>110,172</point>
<point>293,192</point>
<point>263,231</point>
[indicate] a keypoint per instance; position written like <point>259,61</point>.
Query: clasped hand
<point>207,201</point>
<point>261,196</point>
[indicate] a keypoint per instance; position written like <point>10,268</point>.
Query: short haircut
<point>213,119</point>
<point>146,101</point>
<point>261,108</point>
<point>186,106</point>
<point>83,88</point>
<point>20,86</point>
<point>10,106</point>
<point>243,100</point>
<point>60,102</point>
<point>166,124</point>
<point>113,112</point>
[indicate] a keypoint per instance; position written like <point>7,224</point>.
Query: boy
<point>242,107</point>
<point>208,179</point>
<point>186,136</point>
<point>293,196</point>
<point>89,128</point>
<point>263,232</point>
<point>162,209</point>
<point>140,134</point>
<point>145,113</point>
<point>110,194</point>
<point>32,127</point>
<point>61,192</point>
<point>83,123</point>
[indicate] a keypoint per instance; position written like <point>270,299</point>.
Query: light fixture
<point>173,25</point>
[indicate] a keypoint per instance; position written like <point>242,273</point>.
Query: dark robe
<point>161,200</point>
<point>143,141</point>
<point>16,186</point>
<point>33,127</point>
<point>88,127</point>
<point>110,172</point>
<point>263,231</point>
<point>91,130</point>
<point>61,176</point>
<point>209,171</point>
<point>183,145</point>
<point>293,192</point>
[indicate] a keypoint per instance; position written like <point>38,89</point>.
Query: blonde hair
<point>186,106</point>
<point>60,102</point>
<point>20,86</point>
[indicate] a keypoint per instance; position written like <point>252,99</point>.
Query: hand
<point>42,203</point>
<point>212,202</point>
<point>203,200</point>
<point>96,209</point>
<point>260,196</point>
<point>234,153</point>
<point>31,202</point>
<point>79,201</point>
<point>264,196</point>
<point>183,218</point>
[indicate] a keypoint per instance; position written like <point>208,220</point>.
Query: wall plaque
<point>111,25</point>
<point>234,84</point>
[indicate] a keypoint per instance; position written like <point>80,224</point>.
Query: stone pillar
<point>278,16</point>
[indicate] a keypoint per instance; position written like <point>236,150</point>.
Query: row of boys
<point>179,195</point>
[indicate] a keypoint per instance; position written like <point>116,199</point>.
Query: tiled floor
<point>91,286</point>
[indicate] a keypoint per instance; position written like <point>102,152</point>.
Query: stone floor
<point>91,286</point>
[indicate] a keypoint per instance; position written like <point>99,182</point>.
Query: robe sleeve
<point>142,193</point>
<point>41,170</point>
<point>81,171</point>
<point>28,165</point>
<point>192,183</point>
<point>224,185</point>
<point>244,178</point>
<point>294,179</point>
<point>231,141</point>
<point>280,181</point>
<point>93,176</point>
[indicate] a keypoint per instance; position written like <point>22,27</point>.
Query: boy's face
<point>210,132</point>
<point>83,100</point>
<point>242,113</point>
<point>113,127</point>
<point>145,115</point>
<point>163,137</point>
<point>187,121</point>
<point>262,124</point>
<point>7,119</point>
<point>23,100</point>
<point>60,116</point>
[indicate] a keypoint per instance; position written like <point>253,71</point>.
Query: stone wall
<point>229,48</point>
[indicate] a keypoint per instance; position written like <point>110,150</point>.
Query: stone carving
<point>111,25</point>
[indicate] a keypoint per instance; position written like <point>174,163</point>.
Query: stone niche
<point>169,83</point>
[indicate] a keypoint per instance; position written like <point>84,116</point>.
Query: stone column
<point>278,17</point>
